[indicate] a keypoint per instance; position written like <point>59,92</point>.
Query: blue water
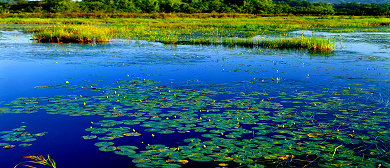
<point>26,66</point>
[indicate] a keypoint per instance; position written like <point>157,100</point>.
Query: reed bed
<point>91,34</point>
<point>312,43</point>
<point>74,34</point>
<point>101,34</point>
<point>169,40</point>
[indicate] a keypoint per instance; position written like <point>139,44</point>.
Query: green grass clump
<point>246,42</point>
<point>352,30</point>
<point>203,40</point>
<point>312,43</point>
<point>169,39</point>
<point>74,34</point>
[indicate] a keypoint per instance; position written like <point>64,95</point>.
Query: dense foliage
<point>361,1</point>
<point>197,6</point>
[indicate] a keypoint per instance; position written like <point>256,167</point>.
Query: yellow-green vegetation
<point>250,25</point>
<point>311,43</point>
<point>89,34</point>
<point>38,159</point>
<point>73,33</point>
<point>351,30</point>
<point>226,31</point>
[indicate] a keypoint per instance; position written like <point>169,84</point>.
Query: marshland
<point>211,89</point>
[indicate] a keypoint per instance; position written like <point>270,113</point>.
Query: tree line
<point>196,6</point>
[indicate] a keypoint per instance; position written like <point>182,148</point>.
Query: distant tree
<point>21,6</point>
<point>171,5</point>
<point>258,6</point>
<point>359,1</point>
<point>93,5</point>
<point>123,5</point>
<point>282,7</point>
<point>326,8</point>
<point>65,6</point>
<point>236,8</point>
<point>48,5</point>
<point>320,7</point>
<point>4,8</point>
<point>216,6</point>
<point>234,2</point>
<point>21,2</point>
<point>199,6</point>
<point>148,5</point>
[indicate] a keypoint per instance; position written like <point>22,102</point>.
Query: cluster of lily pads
<point>18,135</point>
<point>253,129</point>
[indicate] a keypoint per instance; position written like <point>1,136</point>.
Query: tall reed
<point>91,33</point>
<point>74,33</point>
<point>312,43</point>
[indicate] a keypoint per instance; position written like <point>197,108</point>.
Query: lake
<point>145,104</point>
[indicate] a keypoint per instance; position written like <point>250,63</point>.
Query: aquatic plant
<point>18,135</point>
<point>73,33</point>
<point>251,129</point>
<point>169,39</point>
<point>38,159</point>
<point>312,43</point>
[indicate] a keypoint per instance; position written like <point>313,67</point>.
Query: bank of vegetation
<point>216,22</point>
<point>101,34</point>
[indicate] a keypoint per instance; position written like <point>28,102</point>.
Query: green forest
<point>265,7</point>
<point>360,1</point>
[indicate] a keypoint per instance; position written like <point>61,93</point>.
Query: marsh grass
<point>98,34</point>
<point>73,34</point>
<point>169,39</point>
<point>213,35</point>
<point>352,30</point>
<point>203,40</point>
<point>312,43</point>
